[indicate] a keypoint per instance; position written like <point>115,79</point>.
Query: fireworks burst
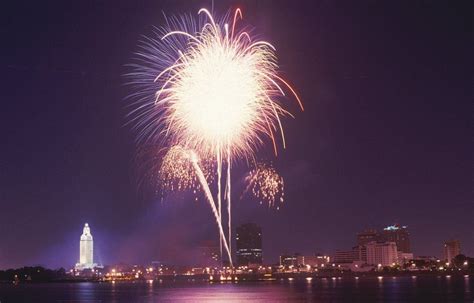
<point>214,91</point>
<point>265,184</point>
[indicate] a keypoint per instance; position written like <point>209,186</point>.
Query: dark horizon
<point>386,135</point>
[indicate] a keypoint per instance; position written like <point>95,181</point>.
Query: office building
<point>367,236</point>
<point>288,260</point>
<point>385,253</point>
<point>313,261</point>
<point>357,253</point>
<point>249,245</point>
<point>399,235</point>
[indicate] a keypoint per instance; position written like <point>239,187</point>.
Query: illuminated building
<point>300,260</point>
<point>451,249</point>
<point>399,235</point>
<point>312,260</point>
<point>86,250</point>
<point>288,260</point>
<point>249,244</point>
<point>385,254</point>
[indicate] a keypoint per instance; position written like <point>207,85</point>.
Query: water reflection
<point>457,288</point>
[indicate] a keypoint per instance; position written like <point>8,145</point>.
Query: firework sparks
<point>266,184</point>
<point>213,90</point>
<point>177,172</point>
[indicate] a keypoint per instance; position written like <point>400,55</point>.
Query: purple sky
<point>386,136</point>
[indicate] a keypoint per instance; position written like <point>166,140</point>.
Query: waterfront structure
<point>382,254</point>
<point>249,245</point>
<point>288,260</point>
<point>451,249</point>
<point>86,250</point>
<point>301,260</point>
<point>399,235</point>
<point>313,261</point>
<point>405,258</point>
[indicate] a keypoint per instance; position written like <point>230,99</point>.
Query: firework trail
<point>265,184</point>
<point>212,89</point>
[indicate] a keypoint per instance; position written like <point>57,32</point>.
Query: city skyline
<point>248,250</point>
<point>384,139</point>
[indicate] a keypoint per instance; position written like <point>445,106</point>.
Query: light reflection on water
<point>346,289</point>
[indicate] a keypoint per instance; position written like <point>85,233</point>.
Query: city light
<point>180,135</point>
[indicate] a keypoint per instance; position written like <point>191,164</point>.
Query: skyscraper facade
<point>86,250</point>
<point>249,244</point>
<point>399,235</point>
<point>367,236</point>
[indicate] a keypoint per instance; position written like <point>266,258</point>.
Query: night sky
<point>386,136</point>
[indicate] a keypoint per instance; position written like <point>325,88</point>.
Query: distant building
<point>385,254</point>
<point>313,261</point>
<point>452,248</point>
<point>249,244</point>
<point>399,235</point>
<point>367,236</point>
<point>357,253</point>
<point>86,250</point>
<point>345,256</point>
<point>405,258</point>
<point>301,260</point>
<point>288,260</point>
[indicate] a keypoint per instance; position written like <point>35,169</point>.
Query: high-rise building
<point>86,250</point>
<point>367,236</point>
<point>452,248</point>
<point>249,244</point>
<point>399,235</point>
<point>384,254</point>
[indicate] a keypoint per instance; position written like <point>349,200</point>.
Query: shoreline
<point>245,278</point>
